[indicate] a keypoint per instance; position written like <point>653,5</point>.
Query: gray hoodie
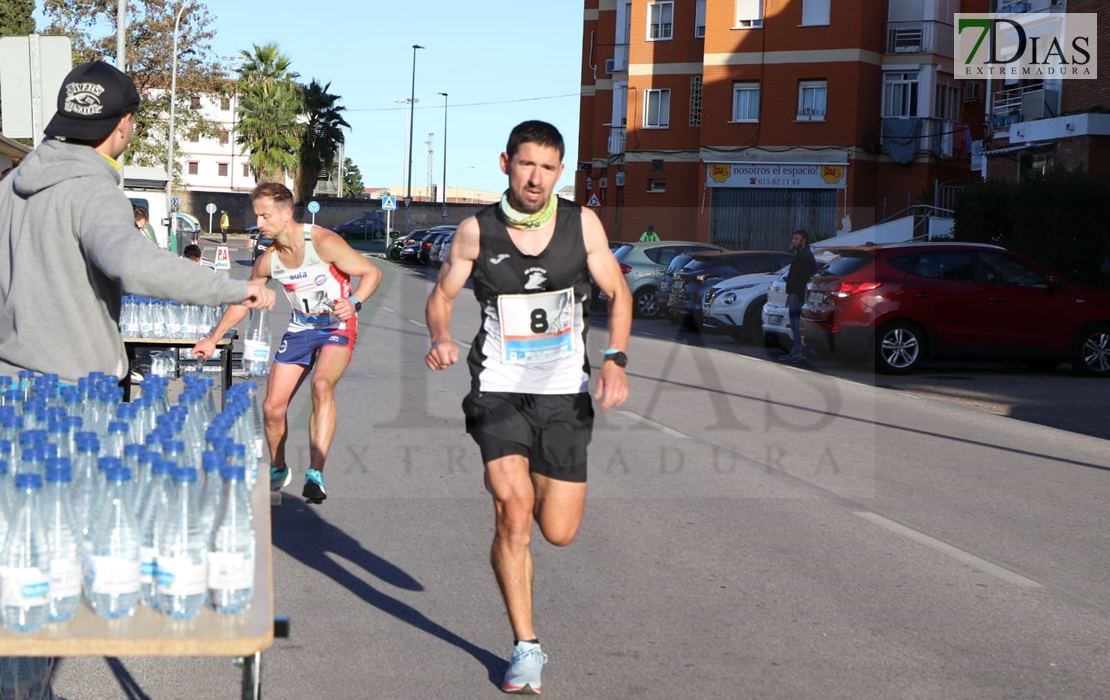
<point>68,252</point>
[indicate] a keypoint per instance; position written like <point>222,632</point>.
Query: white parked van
<point>146,187</point>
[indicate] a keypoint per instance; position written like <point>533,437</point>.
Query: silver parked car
<point>644,264</point>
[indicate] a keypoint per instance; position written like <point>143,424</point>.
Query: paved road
<point>754,530</point>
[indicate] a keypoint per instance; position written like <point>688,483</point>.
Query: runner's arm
<point>612,382</point>
<point>235,313</point>
<point>452,278</point>
<point>333,249</point>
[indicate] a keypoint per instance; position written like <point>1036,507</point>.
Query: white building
<point>214,164</point>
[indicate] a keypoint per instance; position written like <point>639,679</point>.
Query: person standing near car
<point>315,267</point>
<point>802,267</point>
<point>649,235</point>
<point>530,258</point>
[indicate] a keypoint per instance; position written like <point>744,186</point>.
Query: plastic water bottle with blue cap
<point>63,551</point>
<point>256,345</point>
<point>231,551</point>
<point>182,553</point>
<point>112,572</point>
<point>24,586</point>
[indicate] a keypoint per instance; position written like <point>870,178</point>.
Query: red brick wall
<point>1083,95</point>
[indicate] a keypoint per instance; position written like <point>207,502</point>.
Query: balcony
<point>1029,6</point>
<point>920,36</point>
<point>619,62</point>
<point>616,140</point>
<point>1024,103</point>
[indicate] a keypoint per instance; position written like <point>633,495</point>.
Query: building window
<point>745,102</point>
<point>811,100</point>
<point>948,103</point>
<point>225,104</point>
<point>223,169</point>
<point>660,21</point>
<point>657,185</point>
<point>657,109</point>
<point>695,100</point>
<point>699,20</point>
<point>815,13</point>
<point>656,165</point>
<point>900,94</point>
<point>749,14</point>
<point>194,167</point>
<point>246,170</point>
<point>225,138</point>
<point>194,101</point>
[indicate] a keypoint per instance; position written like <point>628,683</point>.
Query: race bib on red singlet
<point>536,327</point>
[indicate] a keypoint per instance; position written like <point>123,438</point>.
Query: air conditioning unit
<point>602,183</point>
<point>699,32</point>
<point>972,92</point>
<point>619,178</point>
<point>610,65</point>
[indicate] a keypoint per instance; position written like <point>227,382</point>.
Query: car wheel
<point>645,304</point>
<point>753,322</point>
<point>394,254</point>
<point>1090,355</point>
<point>899,347</point>
<point>1041,364</point>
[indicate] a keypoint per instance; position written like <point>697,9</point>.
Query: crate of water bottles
<point>145,317</point>
<point>118,505</point>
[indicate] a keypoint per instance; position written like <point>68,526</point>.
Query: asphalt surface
<point>754,530</point>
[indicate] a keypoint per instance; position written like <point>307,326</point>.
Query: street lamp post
<point>457,176</point>
<point>444,153</point>
<point>412,101</point>
<point>173,96</point>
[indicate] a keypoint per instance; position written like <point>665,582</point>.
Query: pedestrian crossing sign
<point>594,201</point>
<point>389,203</point>
<point>223,261</point>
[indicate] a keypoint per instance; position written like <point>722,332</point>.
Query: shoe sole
<point>526,689</point>
<point>284,483</point>
<point>313,494</point>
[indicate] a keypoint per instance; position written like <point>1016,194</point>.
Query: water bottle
<point>152,517</point>
<point>182,553</point>
<point>24,586</point>
<point>83,487</point>
<point>63,552</point>
<point>231,549</point>
<point>112,572</point>
<point>208,495</point>
<point>256,345</point>
<point>10,500</point>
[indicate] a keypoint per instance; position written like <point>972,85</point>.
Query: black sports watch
<point>617,357</point>
<point>356,302</point>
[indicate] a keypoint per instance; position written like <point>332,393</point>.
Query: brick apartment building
<point>1035,125</point>
<point>737,121</point>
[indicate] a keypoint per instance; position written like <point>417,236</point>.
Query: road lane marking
<point>658,426</point>
<point>417,323</point>
<point>386,308</point>
<point>957,554</point>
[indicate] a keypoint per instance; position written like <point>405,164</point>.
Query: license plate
<point>664,286</point>
<point>815,297</point>
<point>774,320</point>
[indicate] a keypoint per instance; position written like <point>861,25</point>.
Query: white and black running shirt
<point>535,309</point>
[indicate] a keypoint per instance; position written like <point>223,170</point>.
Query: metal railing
<point>616,140</point>
<point>920,36</point>
<point>1027,6</point>
<point>1023,103</point>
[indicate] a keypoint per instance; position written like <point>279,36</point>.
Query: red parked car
<point>903,303</point>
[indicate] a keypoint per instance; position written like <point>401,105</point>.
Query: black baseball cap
<point>93,98</point>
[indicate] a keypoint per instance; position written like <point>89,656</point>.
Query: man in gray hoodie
<point>68,249</point>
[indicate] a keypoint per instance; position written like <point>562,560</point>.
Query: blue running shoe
<point>523,676</point>
<point>314,492</point>
<point>279,478</point>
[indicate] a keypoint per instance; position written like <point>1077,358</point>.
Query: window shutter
<point>699,18</point>
<point>749,10</point>
<point>815,11</point>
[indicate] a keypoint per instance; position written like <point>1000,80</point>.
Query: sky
<point>500,61</point>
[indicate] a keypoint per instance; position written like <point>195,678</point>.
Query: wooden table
<point>133,344</point>
<point>149,633</point>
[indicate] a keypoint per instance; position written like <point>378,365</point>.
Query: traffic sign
<point>223,260</point>
<point>175,202</point>
<point>408,201</point>
<point>211,208</point>
<point>444,213</point>
<point>313,207</point>
<point>389,203</point>
<point>594,201</point>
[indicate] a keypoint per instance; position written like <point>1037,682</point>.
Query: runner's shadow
<point>301,533</point>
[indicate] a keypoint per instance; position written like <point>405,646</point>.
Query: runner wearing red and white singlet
<point>315,267</point>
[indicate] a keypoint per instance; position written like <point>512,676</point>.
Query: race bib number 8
<point>536,327</point>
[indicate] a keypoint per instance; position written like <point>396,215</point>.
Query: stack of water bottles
<point>125,504</point>
<point>144,317</point>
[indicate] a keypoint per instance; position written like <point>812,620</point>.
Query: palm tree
<point>271,102</point>
<point>323,132</point>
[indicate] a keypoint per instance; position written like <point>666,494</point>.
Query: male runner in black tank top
<point>529,408</point>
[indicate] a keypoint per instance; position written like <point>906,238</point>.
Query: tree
<point>91,24</point>
<point>270,102</point>
<point>15,17</point>
<point>352,180</point>
<point>322,134</point>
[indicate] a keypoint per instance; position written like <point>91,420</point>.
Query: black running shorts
<point>553,432</point>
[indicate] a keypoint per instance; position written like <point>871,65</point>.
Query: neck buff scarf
<point>528,221</point>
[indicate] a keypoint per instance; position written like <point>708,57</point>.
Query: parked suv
<point>904,303</point>
<point>643,264</point>
<point>707,269</point>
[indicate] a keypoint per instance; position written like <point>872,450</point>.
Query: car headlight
<point>729,298</point>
